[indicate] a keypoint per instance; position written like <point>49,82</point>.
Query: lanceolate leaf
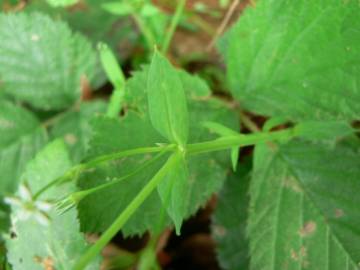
<point>297,59</point>
<point>21,137</point>
<point>40,237</point>
<point>304,205</point>
<point>44,62</point>
<point>174,192</point>
<point>167,101</point>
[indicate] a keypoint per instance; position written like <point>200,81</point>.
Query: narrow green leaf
<point>119,8</point>
<point>225,131</point>
<point>61,3</point>
<point>116,77</point>
<point>111,66</point>
<point>44,62</point>
<point>58,240</point>
<point>296,59</point>
<point>274,122</point>
<point>301,216</point>
<point>167,101</point>
<point>174,192</point>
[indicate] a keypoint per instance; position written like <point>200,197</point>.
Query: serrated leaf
<point>74,127</point>
<point>206,172</point>
<point>43,64</point>
<point>297,59</point>
<point>328,131</point>
<point>167,101</point>
<point>21,137</point>
<point>174,192</point>
<point>300,207</point>
<point>58,241</point>
<point>230,219</point>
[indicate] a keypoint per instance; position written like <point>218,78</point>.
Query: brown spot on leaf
<point>70,138</point>
<point>294,255</point>
<point>291,183</point>
<point>219,231</point>
<point>307,229</point>
<point>339,213</point>
<point>47,262</point>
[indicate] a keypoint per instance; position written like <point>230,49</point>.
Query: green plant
<point>155,153</point>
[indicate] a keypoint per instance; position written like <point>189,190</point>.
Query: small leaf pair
<point>169,116</point>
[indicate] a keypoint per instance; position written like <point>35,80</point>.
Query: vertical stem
<point>126,214</point>
<point>174,23</point>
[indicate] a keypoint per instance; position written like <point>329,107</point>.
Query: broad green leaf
<point>296,59</point>
<point>21,137</point>
<point>40,237</point>
<point>61,3</point>
<point>174,193</point>
<point>44,63</point>
<point>323,130</point>
<point>304,204</point>
<point>206,173</point>
<point>74,127</point>
<point>167,101</point>
<point>230,220</point>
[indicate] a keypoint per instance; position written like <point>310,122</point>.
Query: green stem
<point>78,169</point>
<point>76,197</point>
<point>174,23</point>
<point>233,141</point>
<point>126,153</point>
<point>127,213</point>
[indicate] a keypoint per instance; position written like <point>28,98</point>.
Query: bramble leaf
<point>44,62</point>
<point>296,59</point>
<point>167,101</point>
<point>304,205</point>
<point>75,128</point>
<point>41,237</point>
<point>230,219</point>
<point>21,137</point>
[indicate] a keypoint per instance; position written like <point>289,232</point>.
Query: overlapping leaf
<point>74,127</point>
<point>44,62</point>
<point>304,210</point>
<point>21,137</point>
<point>206,173</point>
<point>40,237</point>
<point>296,59</point>
<point>230,220</point>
